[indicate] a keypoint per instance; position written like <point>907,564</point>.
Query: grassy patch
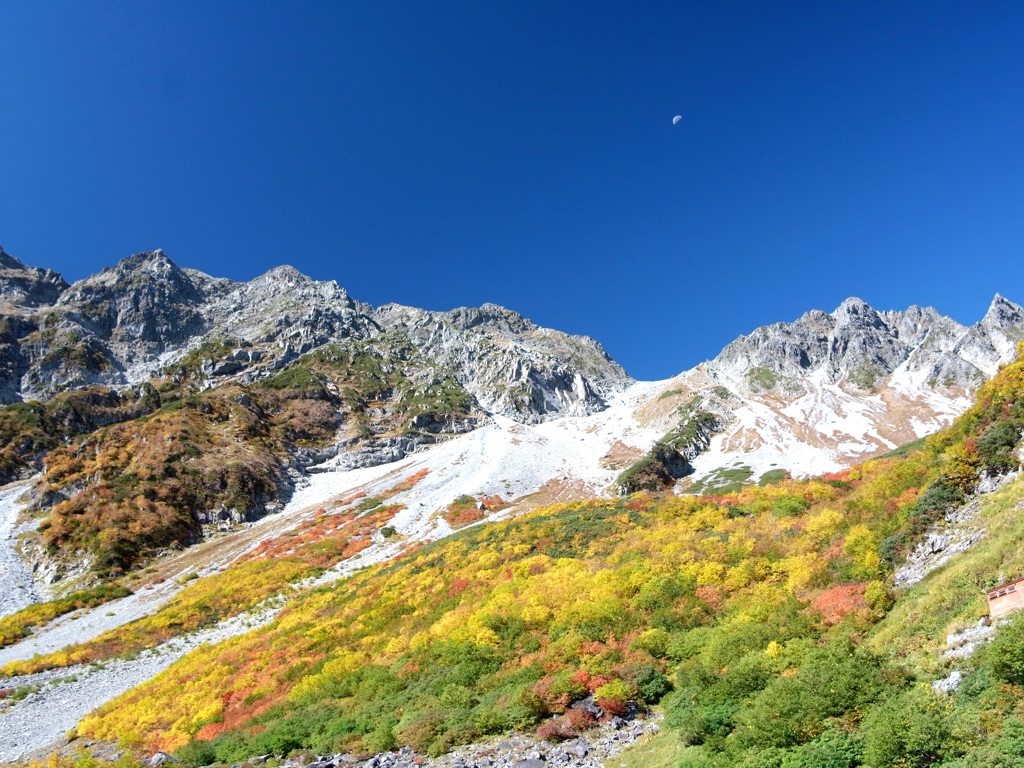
<point>662,750</point>
<point>773,476</point>
<point>763,378</point>
<point>906,448</point>
<point>722,481</point>
<point>865,375</point>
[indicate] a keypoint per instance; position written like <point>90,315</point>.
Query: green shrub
<point>831,682</point>
<point>772,476</point>
<point>913,730</point>
<point>382,738</point>
<point>196,753</point>
<point>652,685</point>
<point>653,641</point>
<point>1005,655</point>
<point>996,444</point>
<point>832,749</point>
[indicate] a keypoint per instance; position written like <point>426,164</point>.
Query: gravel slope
<point>66,695</point>
<point>17,588</point>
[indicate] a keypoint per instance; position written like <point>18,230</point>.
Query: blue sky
<point>453,153</point>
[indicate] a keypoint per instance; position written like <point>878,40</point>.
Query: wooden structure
<point>1006,598</point>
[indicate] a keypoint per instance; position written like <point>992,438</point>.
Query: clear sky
<point>445,154</point>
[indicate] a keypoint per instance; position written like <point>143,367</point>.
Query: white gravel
<point>82,626</point>
<point>42,718</point>
<point>17,588</point>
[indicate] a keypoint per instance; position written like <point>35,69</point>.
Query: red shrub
<point>833,604</point>
<point>552,730</point>
<point>580,719</point>
<point>612,707</point>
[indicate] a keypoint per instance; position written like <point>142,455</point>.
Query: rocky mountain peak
<point>855,310</point>
<point>862,340</point>
<point>150,276</point>
<point>288,283</point>
<point>285,274</point>
<point>862,347</point>
<point>492,315</point>
<point>9,262</point>
<point>511,365</point>
<point>993,340</point>
<point>155,262</point>
<point>25,286</point>
<point>1003,313</point>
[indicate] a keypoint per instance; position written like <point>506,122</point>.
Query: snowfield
<point>505,458</point>
<point>828,427</point>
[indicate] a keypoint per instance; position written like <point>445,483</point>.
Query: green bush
<point>196,753</point>
<point>382,738</point>
<point>831,682</point>
<point>996,444</point>
<point>421,729</point>
<point>1005,751</point>
<point>789,506</point>
<point>652,685</point>
<point>913,730</point>
<point>700,724</point>
<point>832,749</point>
<point>654,642</point>
<point>772,476</point>
<point>1005,655</point>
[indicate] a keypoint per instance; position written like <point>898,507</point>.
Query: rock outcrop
<point>512,366</point>
<point>859,347</point>
<point>22,286</point>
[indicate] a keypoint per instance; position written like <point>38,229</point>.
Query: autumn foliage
<point>744,615</point>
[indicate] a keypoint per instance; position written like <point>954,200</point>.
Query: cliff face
<point>860,347</point>
<point>134,321</point>
<point>22,286</point>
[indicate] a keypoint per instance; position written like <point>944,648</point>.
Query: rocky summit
<point>822,392</point>
<point>134,321</point>
<point>860,347</point>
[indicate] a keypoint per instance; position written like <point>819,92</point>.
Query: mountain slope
<point>374,433</point>
<point>826,390</point>
<point>174,403</point>
<point>240,390</point>
<point>754,608</point>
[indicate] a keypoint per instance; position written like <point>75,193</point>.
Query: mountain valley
<point>345,497</point>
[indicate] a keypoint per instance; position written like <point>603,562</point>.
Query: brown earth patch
<point>554,491</point>
<point>621,456</point>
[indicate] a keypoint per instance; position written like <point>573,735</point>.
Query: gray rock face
<point>23,286</point>
<point>512,366</point>
<point>860,347</point>
<point>291,312</point>
<point>134,320</point>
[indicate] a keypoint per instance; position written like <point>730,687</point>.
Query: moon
<point>676,119</point>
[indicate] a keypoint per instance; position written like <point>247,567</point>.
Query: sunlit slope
<point>753,606</point>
